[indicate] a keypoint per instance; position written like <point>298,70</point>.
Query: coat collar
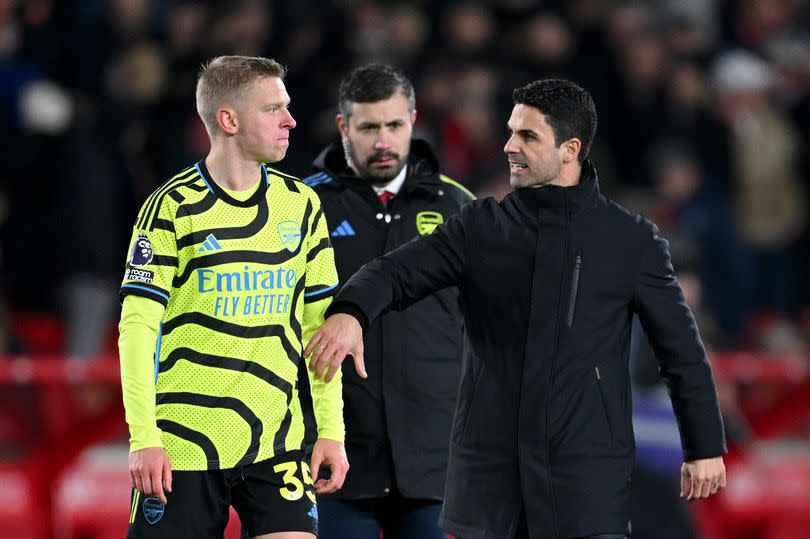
<point>555,201</point>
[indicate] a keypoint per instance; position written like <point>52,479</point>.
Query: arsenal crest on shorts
<point>290,234</point>
<point>141,253</point>
<point>153,510</point>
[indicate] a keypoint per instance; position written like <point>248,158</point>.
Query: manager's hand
<point>339,336</point>
<point>702,478</point>
<point>150,471</point>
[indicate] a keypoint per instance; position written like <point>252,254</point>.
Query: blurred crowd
<point>704,126</point>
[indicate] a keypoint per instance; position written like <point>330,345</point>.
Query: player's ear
<point>227,120</point>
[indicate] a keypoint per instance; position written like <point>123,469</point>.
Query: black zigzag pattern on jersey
<point>260,257</point>
<point>164,224</point>
<point>232,364</point>
<point>147,206</point>
<point>291,185</point>
<point>231,403</point>
<point>150,223</point>
<point>295,325</point>
<point>165,260</point>
<point>199,187</point>
<point>152,206</point>
<point>244,332</point>
<point>317,220</point>
<point>193,436</point>
<point>323,244</point>
<point>196,208</point>
<point>230,233</point>
<point>307,407</point>
<point>177,196</point>
<point>280,439</point>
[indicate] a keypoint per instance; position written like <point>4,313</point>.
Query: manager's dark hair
<point>371,83</point>
<point>568,108</point>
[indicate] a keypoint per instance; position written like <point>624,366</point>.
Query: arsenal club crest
<point>153,510</point>
<point>427,221</point>
<point>290,234</point>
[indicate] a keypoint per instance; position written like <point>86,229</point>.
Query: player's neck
<point>230,172</point>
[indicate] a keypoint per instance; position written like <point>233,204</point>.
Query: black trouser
<point>523,531</point>
<point>602,536</point>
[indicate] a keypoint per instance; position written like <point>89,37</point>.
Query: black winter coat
<point>550,279</point>
<point>398,421</point>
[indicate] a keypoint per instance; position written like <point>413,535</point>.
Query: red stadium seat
<point>91,499</point>
<point>19,516</point>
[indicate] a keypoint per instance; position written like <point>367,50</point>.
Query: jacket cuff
<point>351,309</point>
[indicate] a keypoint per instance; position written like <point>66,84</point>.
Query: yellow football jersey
<point>245,283</point>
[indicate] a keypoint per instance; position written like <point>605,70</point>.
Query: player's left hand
<point>702,478</point>
<point>333,454</point>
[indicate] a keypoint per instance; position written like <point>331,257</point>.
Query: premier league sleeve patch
<point>141,253</point>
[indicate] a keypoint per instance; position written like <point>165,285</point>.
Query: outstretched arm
<point>393,281</point>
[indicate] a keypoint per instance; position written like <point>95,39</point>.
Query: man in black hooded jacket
<point>550,278</point>
<point>379,190</point>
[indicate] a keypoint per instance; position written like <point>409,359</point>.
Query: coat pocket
<point>572,298</point>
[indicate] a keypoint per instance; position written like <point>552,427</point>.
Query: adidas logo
<point>210,244</point>
<point>343,229</point>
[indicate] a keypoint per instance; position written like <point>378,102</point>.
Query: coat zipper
<point>604,402</point>
<point>572,302</point>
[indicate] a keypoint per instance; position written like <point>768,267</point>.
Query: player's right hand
<point>339,336</point>
<point>150,471</point>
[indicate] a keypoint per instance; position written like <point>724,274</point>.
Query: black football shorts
<point>275,495</point>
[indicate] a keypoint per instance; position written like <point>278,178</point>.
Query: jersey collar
<point>221,194</point>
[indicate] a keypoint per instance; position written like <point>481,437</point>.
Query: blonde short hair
<point>224,78</point>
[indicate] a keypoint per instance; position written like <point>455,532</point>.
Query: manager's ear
<point>570,150</point>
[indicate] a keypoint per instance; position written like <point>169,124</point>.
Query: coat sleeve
<point>673,334</point>
<point>407,274</point>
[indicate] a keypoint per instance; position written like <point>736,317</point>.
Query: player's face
<point>534,159</point>
<point>377,137</point>
<point>265,121</point>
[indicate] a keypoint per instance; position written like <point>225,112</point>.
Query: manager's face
<point>534,158</point>
<point>377,137</point>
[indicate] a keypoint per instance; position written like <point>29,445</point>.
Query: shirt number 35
<point>293,488</point>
